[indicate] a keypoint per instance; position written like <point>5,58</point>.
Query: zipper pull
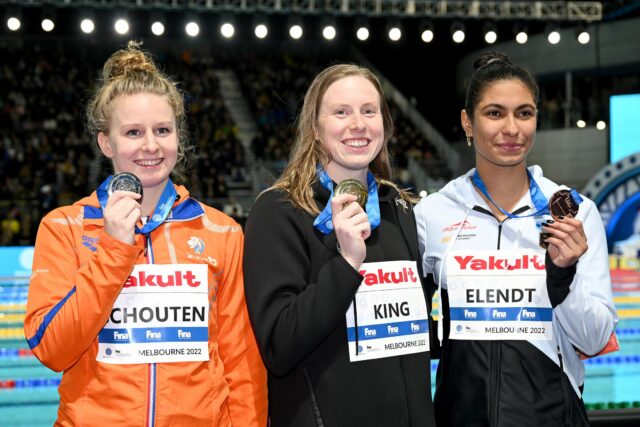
<point>560,357</point>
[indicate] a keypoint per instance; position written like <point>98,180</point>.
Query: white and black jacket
<point>525,383</point>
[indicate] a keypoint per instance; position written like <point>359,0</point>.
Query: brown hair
<point>307,152</point>
<point>132,71</point>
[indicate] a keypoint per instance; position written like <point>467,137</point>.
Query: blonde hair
<point>307,152</point>
<point>132,71</point>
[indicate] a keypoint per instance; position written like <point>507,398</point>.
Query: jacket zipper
<point>495,355</point>
<point>495,383</point>
<point>151,377</point>
<point>394,209</point>
<point>565,391</point>
<point>312,396</point>
<point>151,403</point>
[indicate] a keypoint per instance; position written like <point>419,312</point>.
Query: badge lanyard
<point>540,202</point>
<point>160,213</point>
<point>323,221</point>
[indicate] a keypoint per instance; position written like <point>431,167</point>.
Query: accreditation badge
<point>161,315</point>
<point>498,295</point>
<point>388,316</point>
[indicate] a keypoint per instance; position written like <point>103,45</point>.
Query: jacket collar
<point>184,208</point>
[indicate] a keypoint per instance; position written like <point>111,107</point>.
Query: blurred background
<point>244,65</point>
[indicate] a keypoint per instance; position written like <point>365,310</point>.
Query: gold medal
<point>355,187</point>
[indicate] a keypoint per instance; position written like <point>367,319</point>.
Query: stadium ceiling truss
<point>521,10</point>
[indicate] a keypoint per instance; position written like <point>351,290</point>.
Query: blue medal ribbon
<point>160,213</point>
<point>540,202</point>
<point>323,221</point>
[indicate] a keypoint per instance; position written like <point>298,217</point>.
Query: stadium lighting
<point>47,25</point>
<point>427,36</point>
<point>395,33</point>
<point>362,33</point>
<point>13,23</point>
<point>581,124</point>
<point>362,28</point>
<point>394,30</point>
<point>427,32</point>
<point>584,37</point>
<point>522,37</point>
<point>87,26</point>
<point>329,32</point>
<point>490,33</point>
<point>121,26</point>
<point>521,33</point>
<point>227,30</point>
<point>192,29</point>
<point>295,31</point>
<point>457,32</point>
<point>157,28</point>
<point>261,31</point>
<point>553,35</point>
<point>601,125</point>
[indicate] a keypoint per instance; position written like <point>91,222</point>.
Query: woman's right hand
<point>352,228</point>
<point>121,214</point>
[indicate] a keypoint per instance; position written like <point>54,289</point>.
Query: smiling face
<point>503,125</point>
<point>350,127</point>
<point>142,138</point>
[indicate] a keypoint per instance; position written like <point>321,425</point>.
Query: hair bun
<point>128,60</point>
<point>492,57</point>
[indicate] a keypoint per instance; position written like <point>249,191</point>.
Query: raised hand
<point>352,228</point>
<point>567,242</point>
<point>121,214</point>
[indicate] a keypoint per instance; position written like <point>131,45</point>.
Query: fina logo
<point>108,351</point>
<point>197,244</point>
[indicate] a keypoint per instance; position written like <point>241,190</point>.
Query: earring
<point>468,140</point>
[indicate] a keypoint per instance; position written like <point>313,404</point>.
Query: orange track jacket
<point>78,272</point>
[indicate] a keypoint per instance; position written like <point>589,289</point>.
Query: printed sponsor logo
<point>381,276</point>
<point>208,259</point>
<point>466,225</point>
<point>151,335</point>
<point>492,262</point>
<point>177,278</point>
<point>90,242</point>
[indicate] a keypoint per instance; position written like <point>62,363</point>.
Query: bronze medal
<point>125,182</point>
<point>355,187</point>
<point>563,205</point>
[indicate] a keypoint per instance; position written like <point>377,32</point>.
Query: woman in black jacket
<point>333,290</point>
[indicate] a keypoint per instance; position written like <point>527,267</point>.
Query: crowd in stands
<point>47,159</point>
<point>276,86</point>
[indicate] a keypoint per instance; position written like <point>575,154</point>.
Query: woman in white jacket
<point>523,288</point>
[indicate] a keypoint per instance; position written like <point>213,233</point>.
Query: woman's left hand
<point>567,242</point>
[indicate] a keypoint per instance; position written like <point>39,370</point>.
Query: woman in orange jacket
<point>138,298</point>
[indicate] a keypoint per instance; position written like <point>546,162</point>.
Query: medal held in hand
<point>125,182</point>
<point>562,205</point>
<point>355,187</point>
